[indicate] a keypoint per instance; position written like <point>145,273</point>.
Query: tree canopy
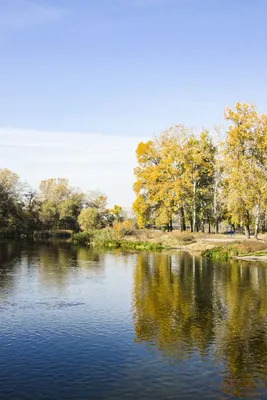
<point>189,178</point>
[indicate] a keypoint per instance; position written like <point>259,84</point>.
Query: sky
<point>83,81</point>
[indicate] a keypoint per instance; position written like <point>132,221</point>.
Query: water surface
<point>82,324</point>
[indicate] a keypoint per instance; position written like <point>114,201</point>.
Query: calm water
<point>82,324</point>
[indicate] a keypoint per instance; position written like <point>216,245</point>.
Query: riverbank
<point>138,239</point>
<point>250,249</point>
<point>218,247</point>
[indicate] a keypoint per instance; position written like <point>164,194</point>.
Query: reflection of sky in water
<point>81,324</point>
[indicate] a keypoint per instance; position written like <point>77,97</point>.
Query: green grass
<point>82,237</point>
<point>127,244</point>
<point>106,239</point>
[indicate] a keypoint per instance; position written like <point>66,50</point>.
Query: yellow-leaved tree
<point>246,165</point>
<point>174,178</point>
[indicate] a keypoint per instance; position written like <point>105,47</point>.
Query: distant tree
<point>31,208</point>
<point>118,214</point>
<point>90,218</point>
<point>11,205</point>
<point>96,199</point>
<point>61,204</point>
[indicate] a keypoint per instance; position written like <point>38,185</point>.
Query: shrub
<point>124,228</point>
<point>82,237</point>
<point>129,245</point>
<point>103,235</point>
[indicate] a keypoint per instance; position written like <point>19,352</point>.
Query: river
<point>77,323</point>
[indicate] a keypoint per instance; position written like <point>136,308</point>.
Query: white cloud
<point>90,161</point>
<point>17,14</point>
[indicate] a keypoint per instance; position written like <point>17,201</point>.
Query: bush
<point>129,245</point>
<point>82,237</point>
<point>124,228</point>
<point>103,235</point>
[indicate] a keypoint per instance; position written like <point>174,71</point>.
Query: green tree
<point>90,218</point>
<point>32,209</point>
<point>11,200</point>
<point>61,204</point>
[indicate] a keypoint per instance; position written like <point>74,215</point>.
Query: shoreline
<point>251,258</point>
<point>216,247</point>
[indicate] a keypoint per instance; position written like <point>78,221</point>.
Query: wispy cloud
<point>90,161</point>
<point>18,14</point>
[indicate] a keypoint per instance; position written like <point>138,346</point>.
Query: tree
<point>175,175</point>
<point>198,176</point>
<point>69,211</point>
<point>158,185</point>
<point>61,204</point>
<point>89,218</point>
<point>246,165</point>
<point>117,213</point>
<point>11,206</point>
<point>31,208</point>
<point>96,199</point>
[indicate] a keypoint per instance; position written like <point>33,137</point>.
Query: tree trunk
<point>215,208</point>
<point>191,225</point>
<point>182,219</point>
<point>209,227</point>
<point>247,231</point>
<point>194,205</point>
<point>263,227</point>
<point>257,221</point>
<point>170,225</point>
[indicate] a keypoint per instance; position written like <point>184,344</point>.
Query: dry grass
<point>173,239</point>
<point>245,248</point>
<point>191,241</point>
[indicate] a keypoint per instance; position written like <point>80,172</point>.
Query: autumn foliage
<point>200,180</point>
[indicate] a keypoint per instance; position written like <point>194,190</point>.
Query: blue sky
<point>123,68</point>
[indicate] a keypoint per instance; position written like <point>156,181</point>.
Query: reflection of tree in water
<point>10,257</point>
<point>183,304</point>
<point>50,261</point>
<point>173,303</point>
<point>58,259</point>
<point>242,340</point>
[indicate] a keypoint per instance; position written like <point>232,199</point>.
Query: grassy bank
<point>138,239</point>
<point>228,251</point>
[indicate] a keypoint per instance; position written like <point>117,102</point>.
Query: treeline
<point>199,180</point>
<point>56,205</point>
<point>196,181</point>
